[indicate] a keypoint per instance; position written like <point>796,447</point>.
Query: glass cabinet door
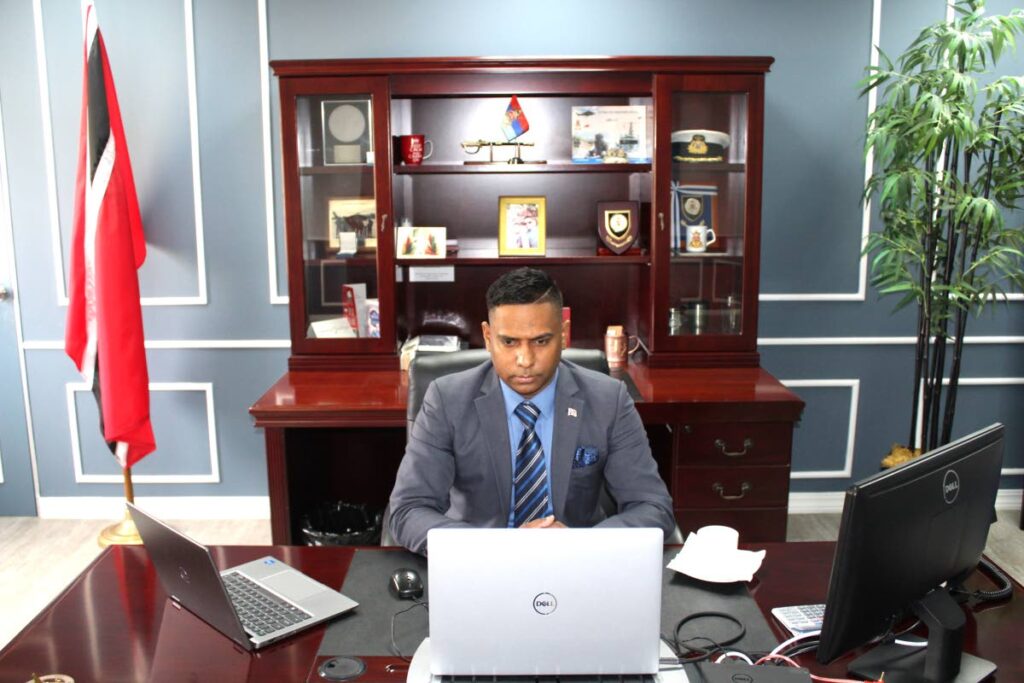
<point>705,282</point>
<point>337,213</point>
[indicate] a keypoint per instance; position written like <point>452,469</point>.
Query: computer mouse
<point>406,584</point>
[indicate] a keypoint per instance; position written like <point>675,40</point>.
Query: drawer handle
<point>720,490</point>
<point>747,445</point>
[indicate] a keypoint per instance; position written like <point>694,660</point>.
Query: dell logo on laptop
<point>950,486</point>
<point>544,603</point>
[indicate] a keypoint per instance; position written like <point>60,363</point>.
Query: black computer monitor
<point>904,533</point>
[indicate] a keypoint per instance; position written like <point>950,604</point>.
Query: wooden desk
<point>106,626</point>
<point>722,438</point>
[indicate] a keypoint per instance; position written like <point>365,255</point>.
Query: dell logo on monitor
<point>544,603</point>
<point>950,486</point>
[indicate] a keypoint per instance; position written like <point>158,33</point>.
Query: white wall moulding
<point>211,477</point>
<point>976,382</point>
<point>268,159</point>
<point>200,298</point>
<point>165,507</point>
<point>183,344</point>
<point>851,426</point>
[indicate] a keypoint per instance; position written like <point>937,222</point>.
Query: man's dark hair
<point>523,286</point>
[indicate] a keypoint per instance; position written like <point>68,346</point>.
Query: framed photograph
<point>348,131</point>
<point>522,223</point>
<point>618,225</point>
<point>413,242</point>
<point>349,217</point>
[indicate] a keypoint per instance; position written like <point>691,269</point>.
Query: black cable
<point>698,654</point>
<point>394,644</point>
<point>1003,591</point>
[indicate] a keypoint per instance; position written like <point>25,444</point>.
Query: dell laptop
<point>254,604</point>
<point>544,602</point>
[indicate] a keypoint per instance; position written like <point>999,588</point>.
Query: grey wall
<point>189,77</point>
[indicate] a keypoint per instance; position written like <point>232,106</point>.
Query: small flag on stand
<point>104,335</point>
<point>515,123</point>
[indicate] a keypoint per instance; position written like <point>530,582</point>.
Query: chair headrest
<point>426,368</point>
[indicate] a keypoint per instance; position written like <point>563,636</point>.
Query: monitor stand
<point>942,661</point>
<point>419,669</point>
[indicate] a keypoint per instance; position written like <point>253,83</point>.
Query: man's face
<point>525,341</point>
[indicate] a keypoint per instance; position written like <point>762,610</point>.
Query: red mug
<point>413,147</point>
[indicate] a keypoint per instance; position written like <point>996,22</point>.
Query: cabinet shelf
<point>341,169</point>
<point>714,167</point>
<point>501,167</point>
<point>696,256</point>
<point>563,259</point>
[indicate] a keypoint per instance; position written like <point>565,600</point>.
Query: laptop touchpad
<point>292,585</point>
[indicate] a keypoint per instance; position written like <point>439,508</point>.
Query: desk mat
<point>366,631</point>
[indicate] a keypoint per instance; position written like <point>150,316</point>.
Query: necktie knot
<point>527,413</point>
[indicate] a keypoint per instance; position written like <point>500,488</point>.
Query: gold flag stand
<point>123,532</point>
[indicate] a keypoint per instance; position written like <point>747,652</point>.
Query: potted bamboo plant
<point>948,144</point>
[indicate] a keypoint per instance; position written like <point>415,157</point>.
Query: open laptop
<point>254,604</point>
<point>544,601</point>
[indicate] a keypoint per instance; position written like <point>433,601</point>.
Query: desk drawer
<point>730,487</point>
<point>755,524</point>
<point>734,443</point>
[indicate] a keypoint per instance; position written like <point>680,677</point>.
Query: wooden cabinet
<point>690,162</point>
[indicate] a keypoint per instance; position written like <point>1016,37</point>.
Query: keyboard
<point>260,611</point>
<point>800,619</point>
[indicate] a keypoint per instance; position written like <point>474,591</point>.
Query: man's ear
<point>565,332</point>
<point>486,329</point>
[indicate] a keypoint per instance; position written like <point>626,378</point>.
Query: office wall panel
<point>202,123</point>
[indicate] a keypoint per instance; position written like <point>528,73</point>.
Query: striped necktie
<point>530,487</point>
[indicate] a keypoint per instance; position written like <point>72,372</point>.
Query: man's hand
<point>548,522</point>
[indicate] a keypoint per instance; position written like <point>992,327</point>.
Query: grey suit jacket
<point>457,469</point>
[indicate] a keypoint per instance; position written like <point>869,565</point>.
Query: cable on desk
<point>394,645</point>
<point>697,654</point>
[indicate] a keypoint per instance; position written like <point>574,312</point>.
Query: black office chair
<point>425,369</point>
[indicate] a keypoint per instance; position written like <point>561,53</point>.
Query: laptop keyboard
<point>260,611</point>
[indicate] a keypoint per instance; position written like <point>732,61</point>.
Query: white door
<point>17,496</point>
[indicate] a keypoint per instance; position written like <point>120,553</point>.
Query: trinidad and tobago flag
<point>104,326</point>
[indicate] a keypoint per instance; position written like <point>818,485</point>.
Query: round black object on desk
<point>342,668</point>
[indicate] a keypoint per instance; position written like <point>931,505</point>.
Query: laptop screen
<point>544,601</point>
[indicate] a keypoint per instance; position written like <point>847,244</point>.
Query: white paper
<point>718,565</point>
<point>331,328</point>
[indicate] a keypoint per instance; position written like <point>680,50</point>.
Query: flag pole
<point>123,532</point>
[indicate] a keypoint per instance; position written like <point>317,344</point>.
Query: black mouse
<point>406,584</point>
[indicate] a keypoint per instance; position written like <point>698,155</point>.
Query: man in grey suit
<point>525,439</point>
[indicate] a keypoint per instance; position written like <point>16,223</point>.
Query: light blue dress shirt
<point>545,402</point>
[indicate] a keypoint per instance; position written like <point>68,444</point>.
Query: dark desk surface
<point>110,623</point>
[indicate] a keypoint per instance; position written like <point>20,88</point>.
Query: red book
<point>567,318</point>
<point>353,305</point>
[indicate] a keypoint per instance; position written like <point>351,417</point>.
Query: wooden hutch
<point>720,426</point>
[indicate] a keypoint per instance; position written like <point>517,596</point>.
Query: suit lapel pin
<point>572,412</point>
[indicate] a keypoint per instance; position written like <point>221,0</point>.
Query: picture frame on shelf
<point>693,205</point>
<point>420,243</point>
<point>522,224</point>
<point>347,131</point>
<point>618,225</point>
<point>355,215</point>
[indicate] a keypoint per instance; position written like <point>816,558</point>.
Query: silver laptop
<point>544,601</point>
<point>254,604</point>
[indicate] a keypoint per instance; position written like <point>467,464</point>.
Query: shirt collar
<point>544,400</point>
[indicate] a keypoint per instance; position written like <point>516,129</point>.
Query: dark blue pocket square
<point>585,457</point>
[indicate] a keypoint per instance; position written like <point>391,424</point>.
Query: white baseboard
<point>818,503</point>
<point>165,507</point>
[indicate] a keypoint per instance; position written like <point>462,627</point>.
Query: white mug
<point>699,237</point>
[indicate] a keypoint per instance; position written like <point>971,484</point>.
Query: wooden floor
<point>42,556</point>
